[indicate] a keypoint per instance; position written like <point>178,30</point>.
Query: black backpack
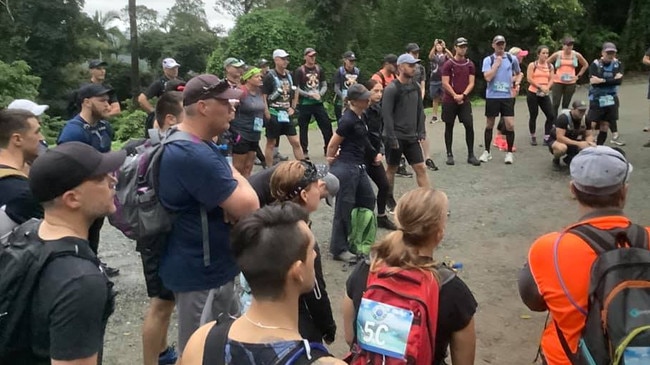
<point>214,352</point>
<point>617,326</point>
<point>22,259</point>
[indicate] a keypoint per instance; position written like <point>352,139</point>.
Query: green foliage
<point>51,127</point>
<point>129,124</point>
<point>17,83</point>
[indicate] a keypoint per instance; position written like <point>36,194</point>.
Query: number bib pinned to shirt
<point>258,123</point>
<point>283,116</point>
<point>344,92</point>
<point>566,77</point>
<point>636,355</point>
<point>500,86</point>
<point>606,100</point>
<point>383,329</point>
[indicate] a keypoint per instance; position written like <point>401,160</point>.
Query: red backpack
<point>397,318</point>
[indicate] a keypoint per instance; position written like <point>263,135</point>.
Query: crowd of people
<point>240,250</point>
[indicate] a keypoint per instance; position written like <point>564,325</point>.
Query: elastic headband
<point>250,73</point>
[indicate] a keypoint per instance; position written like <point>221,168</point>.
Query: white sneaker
<point>646,128</point>
<point>510,158</point>
<point>617,140</point>
<point>485,157</point>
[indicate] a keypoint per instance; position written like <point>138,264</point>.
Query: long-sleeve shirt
<point>403,111</point>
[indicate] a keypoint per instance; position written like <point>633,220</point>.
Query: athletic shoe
<point>168,357</point>
<point>431,165</point>
<point>110,271</point>
<point>384,222</point>
<point>556,163</point>
<point>434,119</point>
<point>617,140</point>
<point>509,158</point>
<point>281,157</point>
<point>473,161</point>
<point>390,205</point>
<point>485,157</point>
<point>346,256</point>
<point>533,141</point>
<point>450,160</point>
<point>402,171</point>
<point>646,128</point>
<point>647,144</point>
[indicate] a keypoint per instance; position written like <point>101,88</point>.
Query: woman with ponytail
<point>421,217</point>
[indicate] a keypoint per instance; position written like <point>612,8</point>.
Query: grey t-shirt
<point>249,117</point>
<point>420,74</point>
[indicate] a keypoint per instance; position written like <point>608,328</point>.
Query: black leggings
<point>562,93</point>
<point>377,174</point>
<point>534,104</point>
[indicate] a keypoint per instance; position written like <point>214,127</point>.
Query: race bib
<point>383,328</point>
<point>344,92</point>
<point>258,123</point>
<point>502,87</point>
<point>283,116</point>
<point>636,355</point>
<point>607,100</point>
<point>566,77</point>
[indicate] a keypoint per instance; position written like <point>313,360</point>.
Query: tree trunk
<point>135,54</point>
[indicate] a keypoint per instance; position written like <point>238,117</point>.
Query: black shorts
<point>503,107</point>
<point>603,114</point>
<point>571,150</point>
<point>410,149</point>
<point>244,146</point>
<point>275,129</point>
<point>150,265</point>
<point>452,110</point>
<point>435,90</point>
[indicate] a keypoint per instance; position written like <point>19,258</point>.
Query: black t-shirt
<point>70,307</point>
<point>355,134</point>
<point>647,52</point>
<point>157,88</point>
<point>261,183</point>
<point>575,131</point>
<point>20,204</point>
<point>278,91</point>
<point>455,309</point>
<point>344,79</point>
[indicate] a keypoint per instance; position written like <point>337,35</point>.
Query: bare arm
<point>333,147</point>
<point>646,60</point>
<point>447,86</point>
<point>463,345</point>
<point>193,354</point>
<point>529,75</point>
<point>470,86</point>
<point>243,199</point>
<point>144,103</point>
<point>551,76</point>
<point>115,110</point>
<point>553,57</point>
<point>422,89</point>
<point>347,306</point>
<point>584,65</point>
<point>92,360</point>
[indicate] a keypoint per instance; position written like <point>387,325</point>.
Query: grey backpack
<point>7,224</point>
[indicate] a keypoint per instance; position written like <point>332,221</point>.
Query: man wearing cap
<point>263,65</point>
<point>600,186</point>
<point>279,94</point>
<point>98,76</point>
<point>20,136</point>
<point>73,299</point>
<point>157,88</point>
<point>605,76</point>
<point>90,127</point>
<point>566,62</point>
<point>233,70</point>
<point>344,77</point>
<point>194,175</point>
<point>386,74</point>
<point>569,134</point>
<point>458,76</point>
<point>312,86</point>
<point>499,70</point>
<point>403,114</point>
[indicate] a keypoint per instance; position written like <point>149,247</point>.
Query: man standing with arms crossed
<point>458,76</point>
<point>404,123</point>
<point>498,70</point>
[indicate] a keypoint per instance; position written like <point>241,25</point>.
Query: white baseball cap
<point>170,63</point>
<point>280,53</point>
<point>28,105</point>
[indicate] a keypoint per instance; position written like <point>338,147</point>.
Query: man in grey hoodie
<point>404,122</point>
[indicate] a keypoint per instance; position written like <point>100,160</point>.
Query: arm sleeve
<point>155,89</point>
<point>464,303</point>
<point>298,80</point>
<point>593,70</point>
<point>71,132</point>
<point>318,302</point>
<point>76,319</point>
<point>323,87</point>
<point>337,84</point>
<point>387,106</point>
<point>612,81</point>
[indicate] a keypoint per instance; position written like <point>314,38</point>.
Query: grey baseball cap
<point>332,185</point>
<point>407,58</point>
<point>358,92</point>
<point>600,170</point>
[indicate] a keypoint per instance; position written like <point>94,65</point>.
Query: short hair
<point>612,200</point>
<point>370,83</point>
<point>170,102</point>
<point>286,179</point>
<point>266,244</point>
<point>13,121</point>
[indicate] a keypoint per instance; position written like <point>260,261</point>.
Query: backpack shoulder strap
<point>214,349</point>
<point>306,354</point>
<point>9,171</point>
<point>509,57</point>
<point>599,240</point>
<point>383,79</point>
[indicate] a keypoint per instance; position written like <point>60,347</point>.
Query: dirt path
<point>497,211</point>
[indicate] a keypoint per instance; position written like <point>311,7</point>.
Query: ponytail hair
<point>421,215</point>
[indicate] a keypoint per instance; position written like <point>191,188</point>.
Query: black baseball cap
<point>358,92</point>
<point>67,166</point>
<point>96,64</point>
<point>208,86</point>
<point>92,90</point>
<point>262,62</point>
<point>580,105</point>
<point>349,55</point>
<point>412,47</point>
<point>390,58</point>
